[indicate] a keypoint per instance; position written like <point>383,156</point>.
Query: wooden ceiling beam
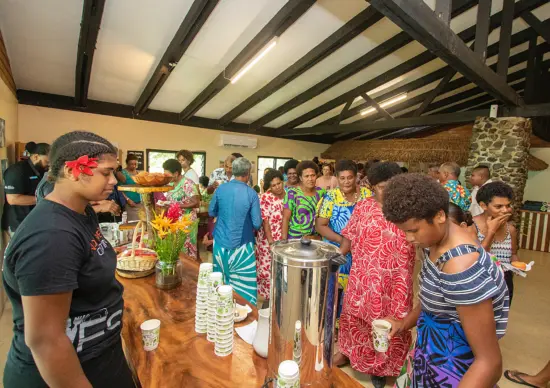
<point>92,13</point>
<point>417,19</point>
<point>542,29</point>
<point>343,35</point>
<point>517,39</point>
<point>482,27</point>
<point>398,71</point>
<point>384,49</point>
<point>190,26</point>
<point>286,16</point>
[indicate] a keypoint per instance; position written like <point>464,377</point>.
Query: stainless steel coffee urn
<point>303,308</point>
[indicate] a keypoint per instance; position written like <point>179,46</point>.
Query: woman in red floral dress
<point>271,203</point>
<point>380,283</point>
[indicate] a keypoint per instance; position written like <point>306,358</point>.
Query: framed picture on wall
<point>2,133</point>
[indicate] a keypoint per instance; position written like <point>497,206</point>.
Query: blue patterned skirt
<point>238,267</point>
<point>442,354</point>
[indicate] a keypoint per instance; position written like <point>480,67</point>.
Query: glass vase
<point>168,275</point>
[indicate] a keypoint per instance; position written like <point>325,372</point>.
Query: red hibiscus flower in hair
<point>82,165</point>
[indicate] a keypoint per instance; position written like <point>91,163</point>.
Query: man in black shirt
<point>20,183</point>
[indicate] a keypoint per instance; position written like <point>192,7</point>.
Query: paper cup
<point>150,334</point>
<point>289,375</point>
<point>380,331</point>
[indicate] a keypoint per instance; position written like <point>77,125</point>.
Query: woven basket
<point>133,259</point>
<point>151,179</point>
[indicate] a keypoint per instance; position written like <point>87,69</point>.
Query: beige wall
<point>8,112</point>
<point>538,183</point>
<point>44,125</point>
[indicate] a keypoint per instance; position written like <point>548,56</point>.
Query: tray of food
<point>151,179</point>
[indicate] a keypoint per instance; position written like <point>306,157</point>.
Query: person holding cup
<point>380,283</point>
<point>464,301</point>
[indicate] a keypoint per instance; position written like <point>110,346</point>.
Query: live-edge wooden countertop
<point>185,358</point>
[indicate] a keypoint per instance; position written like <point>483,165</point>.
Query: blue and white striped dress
<point>442,354</point>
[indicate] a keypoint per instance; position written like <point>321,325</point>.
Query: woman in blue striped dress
<point>464,301</point>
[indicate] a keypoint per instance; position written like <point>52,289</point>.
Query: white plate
<point>243,312</point>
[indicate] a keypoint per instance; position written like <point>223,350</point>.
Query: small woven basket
<point>137,262</point>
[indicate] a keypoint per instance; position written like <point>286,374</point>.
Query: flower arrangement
<point>170,232</point>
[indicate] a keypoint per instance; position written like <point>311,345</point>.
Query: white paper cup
<point>380,331</point>
<point>150,334</point>
<point>289,374</point>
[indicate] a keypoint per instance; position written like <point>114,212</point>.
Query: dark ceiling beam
<point>384,113</point>
<point>421,59</point>
<point>186,33</point>
<point>443,10</point>
<point>398,123</point>
<point>55,101</point>
<point>286,16</point>
<point>343,35</point>
<point>482,27</point>
<point>541,28</point>
<point>344,110</point>
<point>384,49</point>
<point>517,39</point>
<point>504,42</point>
<point>92,12</point>
<point>435,91</point>
<point>417,19</point>
<point>402,132</point>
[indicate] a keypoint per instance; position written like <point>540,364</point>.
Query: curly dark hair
<point>131,157</point>
<point>369,164</point>
<point>72,146</point>
<point>304,165</point>
<point>459,216</point>
<point>346,165</point>
<point>290,164</point>
<point>204,180</point>
<point>382,172</point>
<point>269,176</point>
<point>488,191</point>
<point>187,155</point>
<point>172,165</point>
<point>414,196</point>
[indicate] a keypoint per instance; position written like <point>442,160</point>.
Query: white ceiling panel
<point>230,27</point>
<point>354,49</point>
<point>133,37</point>
<point>319,22</point>
<point>42,42</point>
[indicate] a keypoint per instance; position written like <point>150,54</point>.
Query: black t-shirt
<point>20,178</point>
<point>57,250</point>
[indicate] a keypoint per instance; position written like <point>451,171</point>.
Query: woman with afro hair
<point>464,304</point>
<point>59,274</point>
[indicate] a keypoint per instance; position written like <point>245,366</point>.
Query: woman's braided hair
<point>72,146</point>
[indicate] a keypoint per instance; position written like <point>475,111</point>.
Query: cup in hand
<point>150,333</point>
<point>380,331</point>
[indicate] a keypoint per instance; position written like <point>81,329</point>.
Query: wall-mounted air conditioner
<point>238,141</point>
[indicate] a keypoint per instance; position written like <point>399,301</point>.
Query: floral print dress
<point>182,193</point>
<point>380,284</point>
<point>272,212</point>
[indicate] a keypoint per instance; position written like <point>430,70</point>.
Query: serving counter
<point>185,358</point>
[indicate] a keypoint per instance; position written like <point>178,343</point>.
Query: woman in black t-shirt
<point>59,274</point>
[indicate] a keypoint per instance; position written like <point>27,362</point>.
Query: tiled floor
<point>525,347</point>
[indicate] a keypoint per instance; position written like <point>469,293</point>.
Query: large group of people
<point>59,270</point>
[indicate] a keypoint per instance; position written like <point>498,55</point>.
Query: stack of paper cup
<point>380,331</point>
<point>224,321</point>
<point>289,375</point>
<point>201,309</point>
<point>214,281</point>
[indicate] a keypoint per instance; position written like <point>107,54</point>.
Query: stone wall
<point>503,145</point>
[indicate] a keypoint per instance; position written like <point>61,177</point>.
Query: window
<point>155,159</point>
<point>269,162</point>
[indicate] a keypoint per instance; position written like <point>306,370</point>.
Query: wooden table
<point>185,358</point>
